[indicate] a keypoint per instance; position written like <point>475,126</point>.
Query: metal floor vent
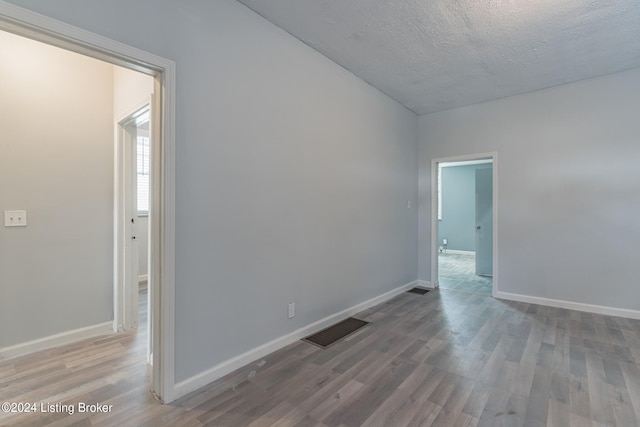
<point>420,291</point>
<point>335,333</point>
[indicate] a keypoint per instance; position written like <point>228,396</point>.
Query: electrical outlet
<point>292,310</point>
<point>15,218</point>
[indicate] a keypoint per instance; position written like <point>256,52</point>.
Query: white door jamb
<point>35,26</point>
<point>434,212</point>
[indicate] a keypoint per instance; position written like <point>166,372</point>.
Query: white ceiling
<point>432,55</point>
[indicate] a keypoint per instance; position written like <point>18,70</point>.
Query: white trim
<point>163,201</point>
<point>127,113</point>
<point>434,211</point>
<point>143,278</point>
<point>57,340</point>
<point>494,277</point>
<point>39,27</point>
<point>570,305</point>
<point>425,284</point>
<point>210,375</point>
<point>465,163</point>
<point>125,266</point>
<point>457,252</point>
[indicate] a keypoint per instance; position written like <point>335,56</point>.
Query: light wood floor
<point>441,359</point>
<point>457,271</point>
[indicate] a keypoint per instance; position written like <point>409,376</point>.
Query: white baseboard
<point>590,308</point>
<point>210,375</point>
<point>425,284</point>
<point>56,340</point>
<point>143,278</point>
<point>455,251</point>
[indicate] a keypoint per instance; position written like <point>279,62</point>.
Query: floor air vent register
<point>420,291</point>
<point>335,333</point>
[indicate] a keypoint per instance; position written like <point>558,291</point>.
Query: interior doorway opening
<point>463,226</point>
<point>133,306</point>
<point>25,23</point>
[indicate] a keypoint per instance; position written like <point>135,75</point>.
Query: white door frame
<point>35,26</point>
<point>434,212</point>
<point>126,221</point>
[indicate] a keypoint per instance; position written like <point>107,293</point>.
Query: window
<point>142,167</point>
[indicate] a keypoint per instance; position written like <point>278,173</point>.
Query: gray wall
<point>459,207</point>
<point>568,186</point>
<point>293,175</point>
<point>56,161</point>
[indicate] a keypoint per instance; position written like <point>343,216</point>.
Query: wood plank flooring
<point>441,359</point>
<point>457,271</point>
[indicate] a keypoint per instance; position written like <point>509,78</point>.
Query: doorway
<point>132,201</point>
<point>134,290</point>
<point>25,23</point>
<point>463,249</point>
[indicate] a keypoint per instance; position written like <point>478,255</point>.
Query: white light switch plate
<point>15,218</point>
<point>292,310</point>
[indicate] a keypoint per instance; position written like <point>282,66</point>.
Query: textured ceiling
<point>432,55</point>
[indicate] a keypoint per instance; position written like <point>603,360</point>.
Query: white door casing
<point>434,212</point>
<point>126,238</point>
<point>38,27</point>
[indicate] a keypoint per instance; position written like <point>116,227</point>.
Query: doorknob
<point>133,237</point>
<point>477,227</point>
